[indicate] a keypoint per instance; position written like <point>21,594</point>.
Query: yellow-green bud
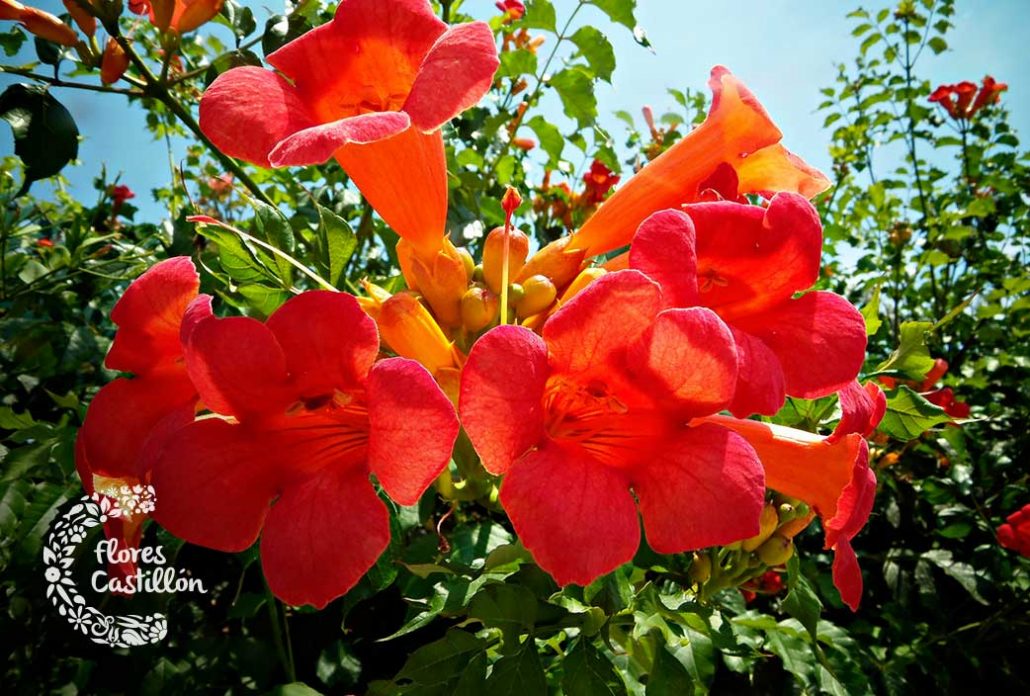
<point>538,294</point>
<point>478,309</point>
<point>768,522</point>
<point>776,550</point>
<point>700,568</point>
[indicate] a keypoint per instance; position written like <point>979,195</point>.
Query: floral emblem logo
<point>59,556</point>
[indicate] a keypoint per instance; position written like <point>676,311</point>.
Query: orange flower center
<point>615,430</point>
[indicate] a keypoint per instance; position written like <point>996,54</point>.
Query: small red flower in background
<point>524,144</point>
<point>769,583</point>
<point>962,101</point>
<point>746,263</point>
<point>130,412</point>
<point>312,415</point>
<point>1015,532</point>
<point>119,194</point>
<point>45,243</point>
<point>513,10</point>
<point>943,396</point>
<point>599,181</point>
<point>601,405</point>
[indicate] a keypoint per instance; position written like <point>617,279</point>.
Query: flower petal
<point>688,357</point>
<point>122,416</point>
<point>751,258</point>
<point>368,42</point>
<point>819,339</point>
<point>248,110</point>
<point>576,516</point>
<point>328,341</point>
<point>148,317</point>
<point>663,249</point>
<point>592,332</point>
<point>214,482</point>
<point>502,389</point>
<point>455,74</point>
<point>405,179</point>
<point>761,386</point>
<point>317,144</point>
<point>412,428</point>
<point>236,365</point>
<point>321,536</point>
<point>706,489</point>
<point>862,409</point>
<point>847,576</point>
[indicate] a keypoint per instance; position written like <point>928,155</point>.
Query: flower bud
<point>11,9</point>
<point>47,26</point>
<point>585,278</point>
<point>700,568</point>
<point>768,522</point>
<point>555,262</point>
<point>478,309</point>
<point>493,255</point>
<point>776,550</point>
<point>113,63</point>
<point>86,22</point>
<point>409,329</point>
<point>466,258</point>
<point>515,293</point>
<point>538,293</point>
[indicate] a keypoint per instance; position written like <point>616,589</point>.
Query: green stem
<point>158,90</point>
<point>58,82</point>
<point>281,646</point>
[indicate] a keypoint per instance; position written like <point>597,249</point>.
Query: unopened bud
<point>114,63</point>
<point>86,22</point>
<point>776,550</point>
<point>493,256</point>
<point>510,200</point>
<point>515,293</point>
<point>585,278</point>
<point>47,26</point>
<point>478,309</point>
<point>700,568</point>
<point>538,294</point>
<point>466,258</point>
<point>768,521</point>
<point>555,262</point>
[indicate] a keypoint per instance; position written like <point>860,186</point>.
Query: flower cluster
<point>963,100</point>
<point>1015,532</point>
<point>604,392</point>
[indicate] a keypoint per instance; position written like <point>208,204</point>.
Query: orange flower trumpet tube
<point>735,151</point>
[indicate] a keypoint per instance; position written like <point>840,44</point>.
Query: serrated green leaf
<point>912,358</point>
<point>551,140</point>
<point>588,673</point>
<point>441,661</point>
<point>510,608</point>
<point>338,242</point>
<point>621,11</point>
<point>964,573</point>
<point>598,51</point>
<point>576,90</point>
<point>909,415</point>
<point>520,674</point>
<point>871,313</point>
<point>540,15</point>
<point>801,601</point>
<point>271,226</point>
<point>668,677</point>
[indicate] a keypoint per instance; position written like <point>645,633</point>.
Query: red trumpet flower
<point>746,263</point>
<point>308,415</point>
<point>601,405</point>
<point>130,412</point>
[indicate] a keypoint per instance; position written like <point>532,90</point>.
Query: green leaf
<point>620,11</point>
<point>871,313</point>
<point>668,677</point>
<point>576,90</point>
<point>338,242</point>
<point>45,135</point>
<point>801,601</point>
<point>520,674</point>
<point>909,415</point>
<point>964,573</point>
<point>588,673</point>
<point>510,608</point>
<point>551,140</point>
<point>912,357</point>
<point>937,45</point>
<point>294,689</point>
<point>263,298</point>
<point>441,661</point>
<point>515,64</point>
<point>540,15</point>
<point>271,226</point>
<point>598,51</point>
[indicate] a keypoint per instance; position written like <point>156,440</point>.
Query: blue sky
<point>784,50</point>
